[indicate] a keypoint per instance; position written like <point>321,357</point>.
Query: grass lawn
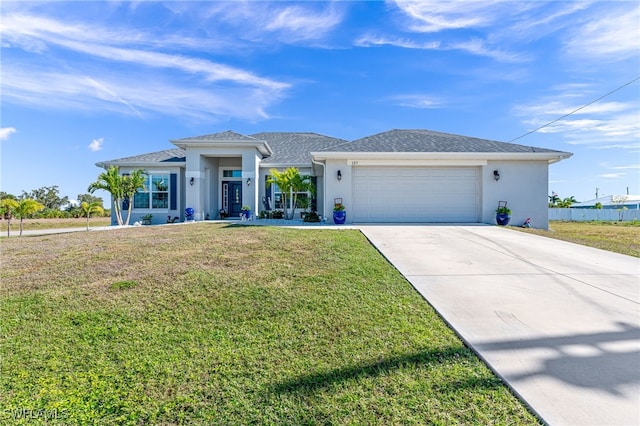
<point>619,237</point>
<point>215,324</point>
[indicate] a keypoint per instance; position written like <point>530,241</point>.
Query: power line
<point>577,109</point>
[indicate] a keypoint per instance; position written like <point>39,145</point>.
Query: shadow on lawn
<point>316,381</point>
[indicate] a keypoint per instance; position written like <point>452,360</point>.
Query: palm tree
<point>554,200</point>
<point>567,202</point>
<point>7,208</point>
<point>88,208</point>
<point>279,178</point>
<point>299,183</point>
<point>131,184</point>
<point>25,208</point>
<point>292,182</point>
<point>120,187</point>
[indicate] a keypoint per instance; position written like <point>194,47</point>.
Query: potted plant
<point>339,215</point>
<point>503,214</point>
<point>146,219</point>
<point>245,212</point>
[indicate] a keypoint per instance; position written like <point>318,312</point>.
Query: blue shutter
<point>125,201</point>
<point>267,202</point>
<point>173,192</point>
<point>314,196</point>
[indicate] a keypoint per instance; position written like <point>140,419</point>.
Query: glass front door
<point>232,201</point>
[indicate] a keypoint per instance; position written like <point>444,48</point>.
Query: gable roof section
<point>427,145</point>
<point>228,138</point>
<point>173,156</point>
<point>430,141</point>
<point>293,148</point>
<point>298,148</point>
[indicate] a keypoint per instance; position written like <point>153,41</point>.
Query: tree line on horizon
<point>46,203</point>
<point>556,202</point>
<point>53,205</point>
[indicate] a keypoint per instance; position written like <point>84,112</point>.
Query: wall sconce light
<point>248,181</point>
<point>339,175</point>
<point>191,181</point>
<point>496,175</point>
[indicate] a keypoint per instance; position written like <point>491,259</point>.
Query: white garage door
<point>415,194</point>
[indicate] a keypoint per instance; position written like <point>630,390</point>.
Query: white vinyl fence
<point>585,215</point>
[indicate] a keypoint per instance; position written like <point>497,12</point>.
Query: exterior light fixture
<point>496,175</point>
<point>248,181</point>
<point>339,175</point>
<point>191,181</point>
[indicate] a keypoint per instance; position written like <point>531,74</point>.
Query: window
<point>155,194</point>
<point>232,173</point>
<point>277,198</point>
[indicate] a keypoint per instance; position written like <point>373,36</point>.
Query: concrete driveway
<point>559,322</point>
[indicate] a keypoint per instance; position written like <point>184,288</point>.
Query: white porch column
<point>194,175</point>
<point>250,192</point>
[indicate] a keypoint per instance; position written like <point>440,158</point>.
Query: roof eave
<point>551,157</point>
<point>141,164</point>
<point>268,165</point>
<point>262,146</point>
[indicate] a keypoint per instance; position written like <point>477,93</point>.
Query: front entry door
<point>234,198</point>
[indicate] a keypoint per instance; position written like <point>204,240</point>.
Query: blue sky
<point>84,82</point>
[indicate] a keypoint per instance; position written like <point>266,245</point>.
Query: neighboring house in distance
<point>396,176</point>
<point>611,202</point>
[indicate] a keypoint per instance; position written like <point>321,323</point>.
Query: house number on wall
<point>237,195</point>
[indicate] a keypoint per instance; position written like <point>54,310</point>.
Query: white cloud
<point>612,175</point>
<point>417,101</point>
<point>438,16</point>
<point>64,90</point>
<point>97,42</point>
<point>139,79</point>
<point>272,21</point>
<point>614,35</point>
<point>631,166</point>
<point>5,132</point>
<point>34,33</point>
<point>96,144</point>
<point>368,40</point>
<point>603,125</point>
<point>302,23</point>
<point>480,47</point>
<point>502,27</point>
<point>474,46</point>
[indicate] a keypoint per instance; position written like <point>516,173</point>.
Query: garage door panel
<point>415,194</point>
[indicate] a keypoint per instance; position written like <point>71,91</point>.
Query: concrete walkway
<point>559,322</point>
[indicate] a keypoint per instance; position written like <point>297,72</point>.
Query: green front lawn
<point>618,237</point>
<point>214,324</point>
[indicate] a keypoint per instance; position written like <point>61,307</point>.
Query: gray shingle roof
<point>294,147</point>
<point>228,136</point>
<point>175,155</point>
<point>429,141</point>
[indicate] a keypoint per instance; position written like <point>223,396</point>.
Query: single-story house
<point>391,177</point>
<point>611,202</point>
